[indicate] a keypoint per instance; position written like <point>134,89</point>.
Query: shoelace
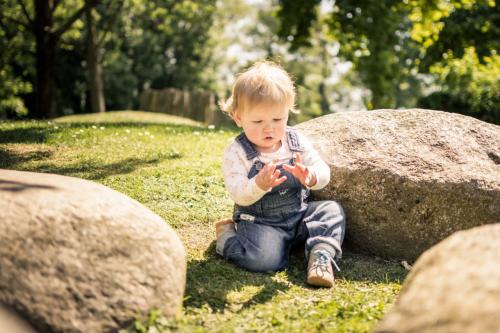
<point>323,257</point>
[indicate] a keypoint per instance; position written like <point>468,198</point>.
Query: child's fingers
<point>275,174</point>
<point>268,170</point>
<point>270,167</point>
<point>279,181</point>
<point>300,166</point>
<point>297,170</point>
<point>298,158</point>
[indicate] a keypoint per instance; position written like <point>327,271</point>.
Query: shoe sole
<point>220,224</point>
<point>319,282</point>
<point>223,222</point>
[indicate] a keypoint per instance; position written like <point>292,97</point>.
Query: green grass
<point>173,166</point>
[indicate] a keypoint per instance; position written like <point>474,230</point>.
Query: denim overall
<point>286,202</point>
<point>282,218</point>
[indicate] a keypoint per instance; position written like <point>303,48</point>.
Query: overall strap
<point>247,146</point>
<point>293,140</point>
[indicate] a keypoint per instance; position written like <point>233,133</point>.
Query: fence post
<point>197,105</point>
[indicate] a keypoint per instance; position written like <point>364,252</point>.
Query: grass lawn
<point>173,166</point>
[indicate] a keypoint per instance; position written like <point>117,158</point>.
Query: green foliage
<point>467,86</point>
<point>453,28</point>
<point>143,44</point>
<point>371,35</point>
<point>459,41</point>
<point>121,85</point>
<point>297,18</point>
<point>71,78</point>
<point>147,44</point>
<point>389,42</point>
<point>11,104</point>
<point>156,44</point>
<point>16,65</point>
<point>376,42</point>
<point>395,47</point>
<point>321,89</point>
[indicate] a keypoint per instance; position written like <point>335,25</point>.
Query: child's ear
<point>237,119</point>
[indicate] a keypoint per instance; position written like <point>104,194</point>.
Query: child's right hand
<point>269,177</point>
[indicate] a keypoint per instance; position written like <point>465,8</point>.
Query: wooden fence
<point>196,105</point>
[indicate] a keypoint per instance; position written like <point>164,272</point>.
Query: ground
<point>172,166</point>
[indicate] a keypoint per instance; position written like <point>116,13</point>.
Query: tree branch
<point>111,21</point>
<point>55,4</point>
<point>25,12</point>
<point>21,23</point>
<point>6,30</point>
<point>74,17</point>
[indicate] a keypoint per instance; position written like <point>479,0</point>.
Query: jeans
<point>262,247</point>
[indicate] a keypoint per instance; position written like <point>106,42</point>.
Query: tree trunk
<point>46,43</point>
<point>94,66</point>
<point>324,103</point>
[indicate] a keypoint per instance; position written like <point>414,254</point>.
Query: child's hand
<point>269,177</point>
<point>301,172</point>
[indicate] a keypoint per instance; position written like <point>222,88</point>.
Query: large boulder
<point>408,178</point>
<point>76,256</point>
<point>453,287</point>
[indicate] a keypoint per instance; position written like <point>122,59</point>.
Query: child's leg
<point>256,247</point>
<point>325,222</point>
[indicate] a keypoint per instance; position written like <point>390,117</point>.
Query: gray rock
<point>408,179</point>
<point>453,287</point>
<point>76,256</point>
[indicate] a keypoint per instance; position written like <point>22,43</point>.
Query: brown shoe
<point>319,268</point>
<point>222,226</point>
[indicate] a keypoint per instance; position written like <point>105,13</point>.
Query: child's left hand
<point>301,172</point>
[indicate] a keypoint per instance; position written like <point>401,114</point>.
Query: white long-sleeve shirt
<point>236,167</point>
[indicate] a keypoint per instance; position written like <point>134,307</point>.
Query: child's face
<point>264,125</point>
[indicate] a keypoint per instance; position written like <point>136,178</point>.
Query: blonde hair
<point>263,82</point>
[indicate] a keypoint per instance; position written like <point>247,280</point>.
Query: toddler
<point>268,170</point>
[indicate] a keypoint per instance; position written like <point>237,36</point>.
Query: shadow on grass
<point>34,134</point>
<point>10,158</point>
<point>211,280</point>
<point>93,170</point>
<point>366,268</point>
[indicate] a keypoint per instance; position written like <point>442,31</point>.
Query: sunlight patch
<point>243,295</point>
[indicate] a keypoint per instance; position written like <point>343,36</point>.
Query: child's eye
<point>256,121</point>
<point>278,119</point>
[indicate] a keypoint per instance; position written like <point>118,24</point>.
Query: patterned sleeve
<point>311,159</point>
<point>242,190</point>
